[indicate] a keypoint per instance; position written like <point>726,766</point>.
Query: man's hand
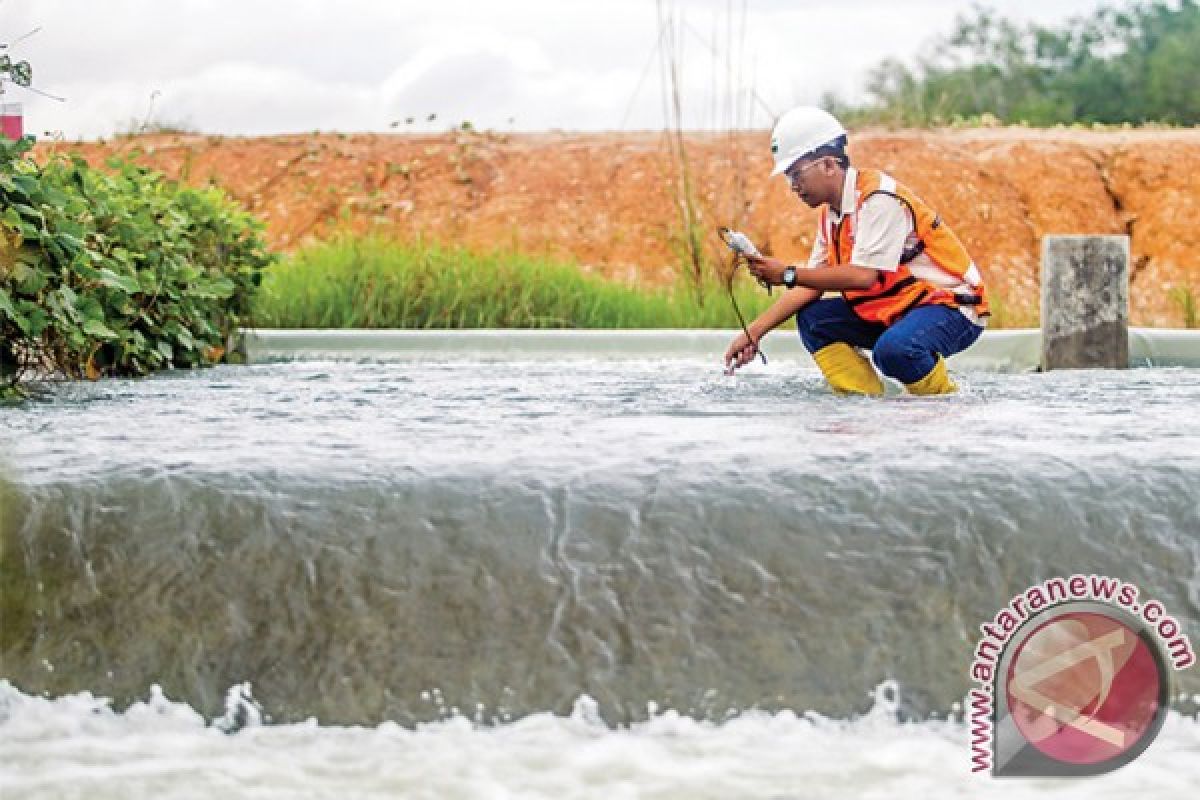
<point>767,270</point>
<point>740,353</point>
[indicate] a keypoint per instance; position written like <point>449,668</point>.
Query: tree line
<point>1133,65</point>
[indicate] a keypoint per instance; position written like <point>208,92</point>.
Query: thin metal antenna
<point>44,94</point>
<point>23,38</point>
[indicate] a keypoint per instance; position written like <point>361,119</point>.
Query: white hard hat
<point>801,131</point>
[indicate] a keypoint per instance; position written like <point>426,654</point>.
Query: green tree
<point>1135,65</point>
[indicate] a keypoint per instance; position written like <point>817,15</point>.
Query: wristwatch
<point>789,277</point>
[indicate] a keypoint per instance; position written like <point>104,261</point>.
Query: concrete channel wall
<point>996,351</point>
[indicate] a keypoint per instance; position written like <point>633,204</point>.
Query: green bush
<point>117,272</point>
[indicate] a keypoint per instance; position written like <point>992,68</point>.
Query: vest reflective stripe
<point>899,291</point>
<point>892,291</point>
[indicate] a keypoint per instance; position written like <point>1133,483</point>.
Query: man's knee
<point>805,318</point>
<point>903,360</point>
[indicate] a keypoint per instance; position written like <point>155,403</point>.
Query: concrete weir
<point>996,351</point>
<point>1085,302</point>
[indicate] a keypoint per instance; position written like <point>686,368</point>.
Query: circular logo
<point>1087,689</point>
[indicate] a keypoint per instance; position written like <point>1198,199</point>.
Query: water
<point>77,747</point>
<point>619,571</point>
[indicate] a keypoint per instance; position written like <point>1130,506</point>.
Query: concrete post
<point>1085,302</point>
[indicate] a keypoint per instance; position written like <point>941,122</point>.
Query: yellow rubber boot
<point>847,370</point>
<point>936,382</point>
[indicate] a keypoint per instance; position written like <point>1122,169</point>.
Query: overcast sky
<point>257,67</point>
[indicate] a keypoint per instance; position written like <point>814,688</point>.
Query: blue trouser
<point>906,350</point>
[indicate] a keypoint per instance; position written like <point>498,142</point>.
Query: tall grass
<point>1007,314</point>
<point>376,282</point>
<point>1185,300</point>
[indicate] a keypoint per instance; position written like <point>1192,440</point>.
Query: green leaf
<point>184,337</point>
<point>126,283</point>
<point>217,289</point>
<point>7,307</point>
<point>68,242</point>
<point>36,320</point>
<point>30,280</point>
<point>27,185</point>
<point>54,197</point>
<point>97,328</point>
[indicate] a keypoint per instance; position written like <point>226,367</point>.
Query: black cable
<point>742,319</point>
<point>738,258</point>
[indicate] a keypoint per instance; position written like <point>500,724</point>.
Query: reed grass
<point>1184,299</point>
<point>376,282</point>
<point>1007,314</point>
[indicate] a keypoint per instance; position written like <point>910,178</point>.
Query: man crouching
<point>909,291</point>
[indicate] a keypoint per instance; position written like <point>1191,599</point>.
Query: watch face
<point>789,277</point>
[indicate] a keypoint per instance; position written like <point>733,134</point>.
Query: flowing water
<point>619,578</point>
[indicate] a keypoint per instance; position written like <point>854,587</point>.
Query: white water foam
<point>77,746</point>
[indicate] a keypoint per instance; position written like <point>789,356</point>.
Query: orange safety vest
<point>952,280</point>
